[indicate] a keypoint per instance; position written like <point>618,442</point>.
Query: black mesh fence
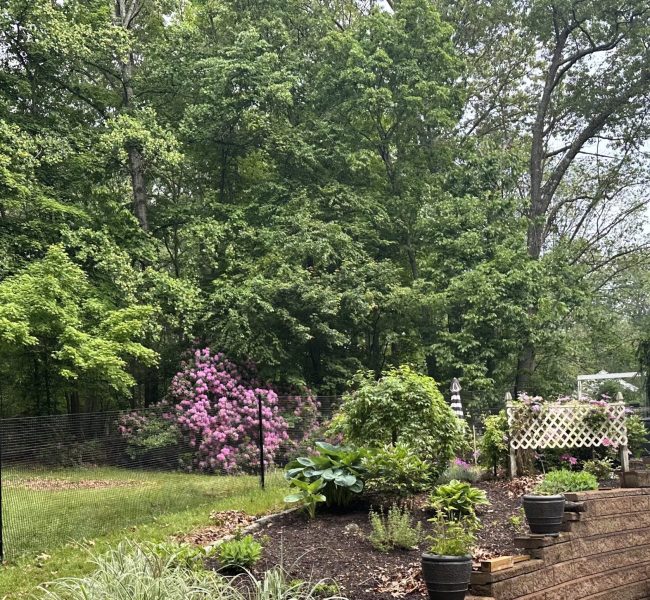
<point>69,478</point>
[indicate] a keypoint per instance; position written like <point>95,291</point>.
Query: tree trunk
<point>125,14</point>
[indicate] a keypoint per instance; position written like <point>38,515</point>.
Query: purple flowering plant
<point>213,408</point>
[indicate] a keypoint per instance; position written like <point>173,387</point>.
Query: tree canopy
<point>320,188</point>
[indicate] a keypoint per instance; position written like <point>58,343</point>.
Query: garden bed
<point>335,546</point>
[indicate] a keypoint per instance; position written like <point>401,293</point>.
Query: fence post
<point>511,451</point>
<point>261,432</point>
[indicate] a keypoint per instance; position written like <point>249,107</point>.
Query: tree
<point>60,338</point>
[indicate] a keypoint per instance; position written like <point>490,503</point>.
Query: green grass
<point>58,522</point>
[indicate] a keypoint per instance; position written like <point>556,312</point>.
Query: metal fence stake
<point>261,430</point>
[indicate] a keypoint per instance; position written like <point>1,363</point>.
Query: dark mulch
<point>335,546</point>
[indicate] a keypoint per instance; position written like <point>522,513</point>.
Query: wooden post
<point>512,452</point>
<point>623,450</point>
<point>625,458</point>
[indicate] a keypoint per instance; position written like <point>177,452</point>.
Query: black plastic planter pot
<point>446,577</point>
<point>544,513</point>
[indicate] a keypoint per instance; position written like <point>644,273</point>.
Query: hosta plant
<point>457,500</point>
<point>239,554</point>
<point>308,494</point>
<point>339,467</point>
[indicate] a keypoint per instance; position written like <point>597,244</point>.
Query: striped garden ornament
<point>456,404</point>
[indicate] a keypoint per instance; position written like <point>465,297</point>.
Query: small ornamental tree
<point>401,407</point>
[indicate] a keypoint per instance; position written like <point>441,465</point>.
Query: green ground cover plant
<point>563,481</point>
<point>239,554</point>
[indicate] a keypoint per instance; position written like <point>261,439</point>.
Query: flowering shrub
<point>212,409</point>
<point>216,409</point>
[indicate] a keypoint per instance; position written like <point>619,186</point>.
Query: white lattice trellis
<point>561,425</point>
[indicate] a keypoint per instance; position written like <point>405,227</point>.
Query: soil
<point>335,546</point>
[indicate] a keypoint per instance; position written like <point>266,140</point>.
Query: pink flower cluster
<point>571,460</point>
<point>216,408</point>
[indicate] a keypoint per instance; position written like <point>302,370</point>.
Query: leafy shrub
<point>600,468</point>
<point>460,470</point>
<point>396,471</point>
<point>239,553</point>
<point>402,406</point>
<point>457,500</point>
<point>147,432</point>
<point>563,481</point>
<point>452,537</point>
<point>637,435</point>
<point>212,407</point>
<point>394,530</point>
<point>339,467</point>
<point>138,572</point>
<point>494,445</point>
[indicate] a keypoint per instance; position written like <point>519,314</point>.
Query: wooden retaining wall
<point>603,554</point>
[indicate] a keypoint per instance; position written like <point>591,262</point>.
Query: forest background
<point>320,187</point>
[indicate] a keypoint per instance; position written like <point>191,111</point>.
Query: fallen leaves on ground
<point>227,522</point>
<point>402,583</point>
<point>38,484</point>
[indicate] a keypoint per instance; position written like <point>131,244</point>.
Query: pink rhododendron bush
<point>212,411</point>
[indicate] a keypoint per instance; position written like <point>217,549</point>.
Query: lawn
<point>51,517</point>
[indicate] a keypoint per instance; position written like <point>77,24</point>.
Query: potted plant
<point>447,566</point>
<point>544,508</point>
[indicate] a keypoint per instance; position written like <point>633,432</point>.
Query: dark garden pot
<point>544,513</point>
<point>446,577</point>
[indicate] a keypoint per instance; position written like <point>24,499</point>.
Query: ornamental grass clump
<point>394,529</point>
<point>139,572</point>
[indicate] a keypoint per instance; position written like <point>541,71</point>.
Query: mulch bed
<point>335,546</point>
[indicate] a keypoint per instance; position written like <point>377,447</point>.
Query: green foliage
<point>396,471</point>
<point>494,445</point>
<point>452,537</point>
<point>394,530</point>
<point>601,469</point>
<point>457,500</point>
<point>143,572</point>
<point>183,555</point>
<point>322,188</point>
<point>461,471</point>
<point>340,469</point>
<point>239,553</point>
<point>516,521</point>
<point>308,493</point>
<point>562,481</point>
<point>637,435</point>
<point>402,406</point>
<point>52,320</point>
